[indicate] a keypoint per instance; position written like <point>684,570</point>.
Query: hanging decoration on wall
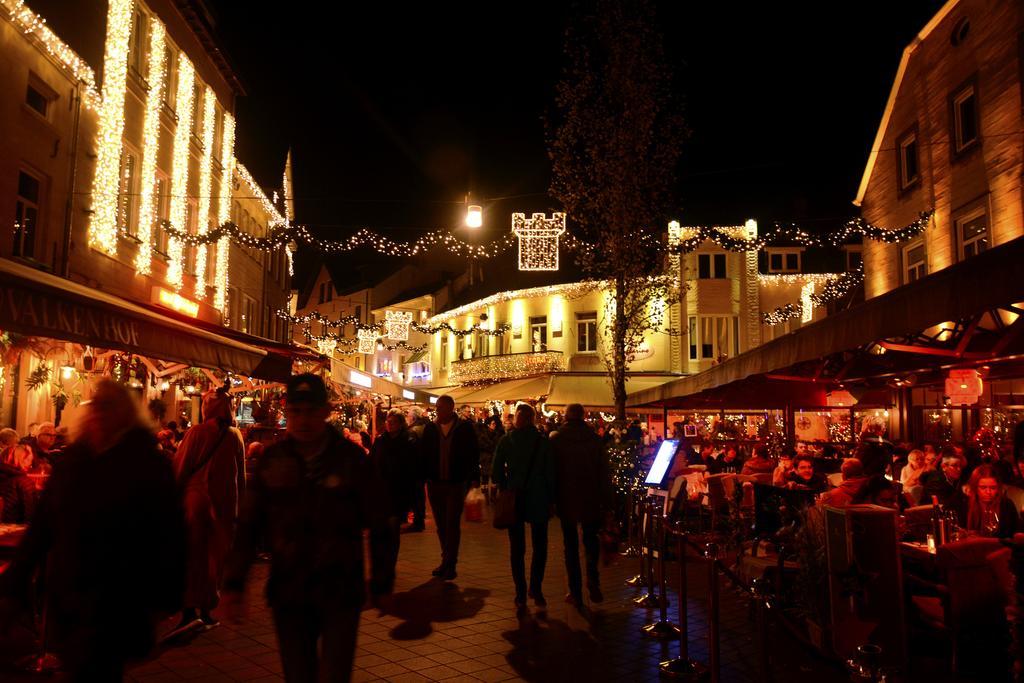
<point>538,239</point>
<point>834,289</point>
<point>853,228</point>
<point>326,346</point>
<point>445,327</point>
<point>397,325</point>
<point>316,316</point>
<point>367,340</point>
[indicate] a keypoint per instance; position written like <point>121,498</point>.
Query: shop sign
<point>642,352</point>
<point>34,313</point>
<point>406,394</point>
<point>963,387</point>
<point>359,379</point>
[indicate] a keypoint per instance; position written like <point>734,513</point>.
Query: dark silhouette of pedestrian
<point>417,424</point>
<point>452,460</point>
<point>584,497</point>
<point>523,462</point>
<point>109,532</point>
<point>394,460</point>
<point>312,494</point>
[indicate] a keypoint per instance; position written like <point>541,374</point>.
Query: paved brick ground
<point>468,630</point>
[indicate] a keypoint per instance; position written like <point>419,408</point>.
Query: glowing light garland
<point>315,316</point>
<point>390,247</point>
<point>256,191</point>
<point>156,76</point>
<point>834,289</point>
<point>493,368</point>
<point>443,327</point>
<point>397,325</point>
<point>227,157</point>
<point>205,186</point>
<point>774,279</point>
<point>179,169</point>
<point>103,226</point>
<point>571,290</point>
<point>538,239</point>
<point>34,27</point>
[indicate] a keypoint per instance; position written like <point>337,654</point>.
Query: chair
<point>971,597</point>
<point>720,488</point>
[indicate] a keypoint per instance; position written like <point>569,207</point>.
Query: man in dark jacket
<point>946,483</point>
<point>312,494</point>
<point>584,494</point>
<point>452,459</point>
<point>109,533</point>
<point>394,460</point>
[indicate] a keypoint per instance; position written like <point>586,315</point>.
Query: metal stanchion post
<point>760,593</point>
<point>640,530</point>
<point>662,629</point>
<point>649,600</point>
<point>682,666</point>
<point>631,535</point>
<point>714,662</point>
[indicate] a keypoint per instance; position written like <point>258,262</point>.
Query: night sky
<point>395,111</point>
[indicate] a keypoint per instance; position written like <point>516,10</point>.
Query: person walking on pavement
<point>523,462</point>
<point>108,532</point>
<point>452,459</point>
<point>210,469</point>
<point>394,460</point>
<point>417,423</point>
<point>584,496</point>
<point>312,494</point>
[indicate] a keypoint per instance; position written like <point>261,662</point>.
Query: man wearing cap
<point>452,461</point>
<point>312,494</point>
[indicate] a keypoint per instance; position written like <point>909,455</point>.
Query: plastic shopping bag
<point>475,505</point>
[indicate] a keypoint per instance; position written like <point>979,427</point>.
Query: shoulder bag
<point>506,507</point>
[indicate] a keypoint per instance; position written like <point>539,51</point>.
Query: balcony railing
<point>507,366</point>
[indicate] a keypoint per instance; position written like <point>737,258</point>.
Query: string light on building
<point>103,225</point>
<point>773,279</point>
<point>445,327</point>
<point>205,187</point>
<point>367,340</point>
<point>316,316</point>
<point>275,217</point>
<point>34,27</point>
<point>179,169</point>
<point>156,76</point>
<point>572,290</point>
<point>835,288</point>
<point>806,305</point>
<point>227,156</point>
<point>538,239</point>
<point>397,325</point>
<point>495,368</point>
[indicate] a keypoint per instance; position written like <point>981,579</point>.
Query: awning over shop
<point>36,303</point>
<point>530,388</point>
<point>895,321</point>
<point>594,390</point>
<point>344,374</point>
<point>419,356</point>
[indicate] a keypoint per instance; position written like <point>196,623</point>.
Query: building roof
<point>908,51</point>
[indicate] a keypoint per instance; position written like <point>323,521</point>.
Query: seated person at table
<point>875,456</point>
<point>784,468</point>
<point>728,462</point>
<point>803,477</point>
<point>853,481</point>
<point>878,491</point>
<point>759,463</point>
<point>17,490</point>
<point>912,471</point>
<point>945,483</point>
<point>986,510</point>
<point>702,456</point>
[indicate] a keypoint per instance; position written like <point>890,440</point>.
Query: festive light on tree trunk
<point>227,162</point>
<point>397,324</point>
<point>205,187</point>
<point>179,169</point>
<point>367,340</point>
<point>103,226</point>
<point>156,77</point>
<point>538,239</point>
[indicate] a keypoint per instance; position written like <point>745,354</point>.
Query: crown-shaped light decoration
<point>326,346</point>
<point>367,340</point>
<point>538,239</point>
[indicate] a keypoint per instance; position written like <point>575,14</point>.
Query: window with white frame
<point>539,333</point>
<point>711,266</point>
<point>906,148</point>
<point>38,96</point>
<point>915,262</point>
<point>713,337</point>
<point>26,214</point>
<point>972,233</point>
<point>444,350</point>
<point>964,113</point>
<point>784,261</point>
<point>586,332</point>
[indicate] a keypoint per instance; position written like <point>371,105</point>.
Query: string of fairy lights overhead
<point>833,290</point>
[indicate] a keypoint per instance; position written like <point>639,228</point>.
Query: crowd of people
<point>136,523</point>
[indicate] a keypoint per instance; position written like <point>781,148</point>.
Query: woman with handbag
<point>524,471</point>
